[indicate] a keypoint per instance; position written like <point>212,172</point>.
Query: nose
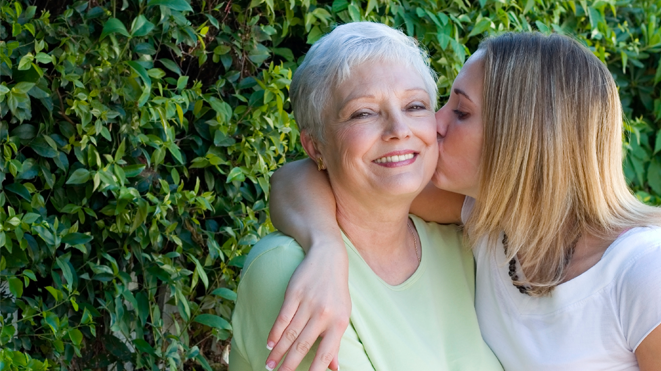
<point>441,122</point>
<point>397,127</point>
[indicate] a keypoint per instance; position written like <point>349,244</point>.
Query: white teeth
<point>395,158</point>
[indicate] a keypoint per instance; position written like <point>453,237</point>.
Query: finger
<point>289,336</point>
<point>335,363</point>
<point>287,312</point>
<point>326,356</point>
<point>300,348</point>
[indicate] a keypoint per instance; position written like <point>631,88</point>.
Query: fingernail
<point>270,365</point>
<point>270,345</point>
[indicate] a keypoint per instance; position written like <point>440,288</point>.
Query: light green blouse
<point>426,323</point>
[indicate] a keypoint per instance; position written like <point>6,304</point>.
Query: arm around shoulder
<point>436,205</point>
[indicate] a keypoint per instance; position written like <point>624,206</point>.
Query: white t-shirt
<point>592,322</point>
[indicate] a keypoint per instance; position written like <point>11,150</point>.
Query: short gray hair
<point>328,63</point>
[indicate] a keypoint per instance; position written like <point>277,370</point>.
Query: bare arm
<point>437,205</point>
<point>303,205</point>
<point>648,352</point>
<point>317,301</point>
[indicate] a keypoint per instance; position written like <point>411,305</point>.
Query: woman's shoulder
<point>275,251</point>
<point>446,240</point>
<point>633,245</point>
<point>636,262</point>
<point>434,232</point>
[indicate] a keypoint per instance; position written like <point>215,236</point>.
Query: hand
<point>317,303</point>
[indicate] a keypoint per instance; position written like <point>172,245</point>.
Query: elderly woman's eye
<point>417,107</point>
<point>360,115</point>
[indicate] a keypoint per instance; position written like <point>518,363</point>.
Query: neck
<point>588,251</point>
<point>378,229</point>
<point>372,223</point>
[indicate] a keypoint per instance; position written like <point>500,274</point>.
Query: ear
<point>310,145</point>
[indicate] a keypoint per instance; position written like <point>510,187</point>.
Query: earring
<point>320,164</point>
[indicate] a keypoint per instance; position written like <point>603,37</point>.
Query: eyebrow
<point>461,92</point>
<point>352,98</point>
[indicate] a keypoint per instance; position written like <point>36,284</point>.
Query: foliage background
<point>138,138</point>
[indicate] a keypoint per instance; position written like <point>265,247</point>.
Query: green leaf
<point>22,87</point>
<point>43,148</point>
<point>200,271</point>
<point>285,53</point>
<point>133,170</point>
<point>15,286</point>
<point>654,176</point>
<point>141,26</point>
<point>657,142</point>
<point>140,215</point>
<point>113,25</point>
<point>213,321</point>
<point>483,25</point>
<point>43,58</point>
<point>145,48</point>
<point>26,132</point>
<point>76,336</point>
<point>236,174</point>
<point>79,176</point>
<point>66,270</point>
<point>57,294</point>
<point>76,238</point>
<point>178,5</point>
<point>182,82</point>
<point>25,62</point>
<point>529,5</point>
<point>144,346</point>
<point>120,151</point>
<point>259,54</point>
<point>142,72</point>
<point>170,65</point>
<point>203,361</point>
<point>224,292</point>
<point>20,190</point>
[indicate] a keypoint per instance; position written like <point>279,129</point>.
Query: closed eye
<point>460,114</point>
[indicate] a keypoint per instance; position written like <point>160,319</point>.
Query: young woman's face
<point>460,131</point>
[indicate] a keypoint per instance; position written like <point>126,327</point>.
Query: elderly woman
<point>364,100</point>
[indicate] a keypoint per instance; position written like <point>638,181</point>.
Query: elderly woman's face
<point>380,133</point>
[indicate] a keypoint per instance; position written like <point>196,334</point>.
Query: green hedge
<point>138,139</point>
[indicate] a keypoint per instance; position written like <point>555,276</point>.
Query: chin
<point>403,188</point>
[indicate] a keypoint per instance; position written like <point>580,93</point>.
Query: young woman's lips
<point>397,159</point>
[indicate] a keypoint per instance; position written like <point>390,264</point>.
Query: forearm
<point>437,205</point>
<point>302,205</point>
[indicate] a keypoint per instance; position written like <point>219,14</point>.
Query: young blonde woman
<point>568,260</point>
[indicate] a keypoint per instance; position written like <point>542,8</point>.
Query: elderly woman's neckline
<point>390,248</point>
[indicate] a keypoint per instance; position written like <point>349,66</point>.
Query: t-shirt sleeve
<point>640,296</point>
<point>469,203</point>
<point>261,293</point>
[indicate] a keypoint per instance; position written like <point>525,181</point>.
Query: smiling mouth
<point>396,158</point>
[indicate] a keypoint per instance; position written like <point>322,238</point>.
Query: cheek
<point>350,145</point>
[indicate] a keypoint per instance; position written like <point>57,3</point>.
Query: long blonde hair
<point>552,154</point>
